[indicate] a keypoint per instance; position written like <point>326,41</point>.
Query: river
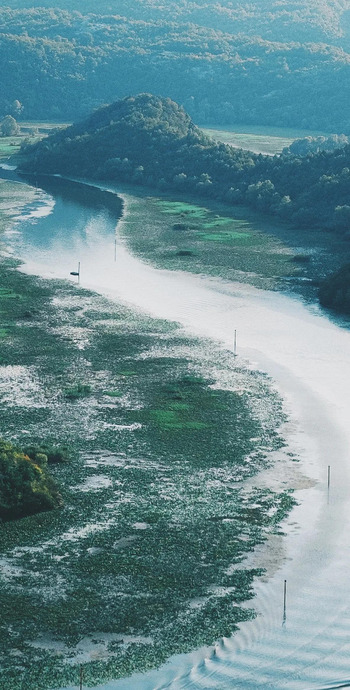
<point>306,645</point>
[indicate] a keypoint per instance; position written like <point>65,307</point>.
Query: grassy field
<point>9,146</point>
<point>146,558</point>
<point>266,140</point>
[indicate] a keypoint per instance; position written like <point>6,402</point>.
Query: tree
<point>16,107</point>
<point>342,217</point>
<point>9,127</point>
<point>334,292</point>
<point>25,485</point>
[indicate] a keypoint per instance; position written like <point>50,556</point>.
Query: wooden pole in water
<point>329,476</point>
<point>235,345</point>
<point>284,601</point>
<point>81,677</point>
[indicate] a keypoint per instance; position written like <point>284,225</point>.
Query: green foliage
<point>173,513</point>
<point>79,390</point>
<point>301,147</point>
<point>54,454</point>
<point>9,127</point>
<point>25,486</point>
<point>152,141</point>
<point>335,290</point>
<point>260,63</point>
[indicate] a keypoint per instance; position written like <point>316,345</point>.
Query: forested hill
<point>326,21</point>
<point>262,63</point>
<point>151,141</point>
<point>143,139</point>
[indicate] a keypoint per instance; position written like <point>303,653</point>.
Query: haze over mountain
<point>268,63</point>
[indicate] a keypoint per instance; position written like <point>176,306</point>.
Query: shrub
<point>335,290</point>
<point>53,454</point>
<point>25,485</point>
<point>80,390</point>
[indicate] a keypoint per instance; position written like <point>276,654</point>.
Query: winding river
<point>306,644</point>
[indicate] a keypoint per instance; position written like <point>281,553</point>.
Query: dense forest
<point>308,20</point>
<point>268,63</point>
<point>152,141</point>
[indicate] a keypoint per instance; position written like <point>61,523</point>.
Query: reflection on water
<point>66,222</point>
<point>309,358</point>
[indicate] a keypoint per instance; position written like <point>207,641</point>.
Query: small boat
<point>76,273</point>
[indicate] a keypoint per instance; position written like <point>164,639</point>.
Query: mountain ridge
<point>61,63</point>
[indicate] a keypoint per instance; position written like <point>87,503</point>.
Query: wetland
<point>139,564</point>
<point>182,465</point>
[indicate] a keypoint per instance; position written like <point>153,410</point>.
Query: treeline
<point>61,64</point>
<point>151,141</point>
<point>301,147</point>
<point>318,21</point>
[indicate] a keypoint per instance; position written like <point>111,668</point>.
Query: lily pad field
<point>213,239</point>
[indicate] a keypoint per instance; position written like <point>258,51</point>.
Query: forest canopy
<point>257,64</point>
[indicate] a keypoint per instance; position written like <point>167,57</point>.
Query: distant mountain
<point>253,63</point>
<point>326,21</point>
<point>151,141</point>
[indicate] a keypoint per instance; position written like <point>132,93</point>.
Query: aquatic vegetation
<point>225,236</point>
<point>5,293</point>
<point>183,209</point>
<point>9,146</point>
<point>113,394</point>
<point>184,236</point>
<point>79,390</point>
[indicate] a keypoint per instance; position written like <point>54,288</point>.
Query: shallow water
<point>309,358</point>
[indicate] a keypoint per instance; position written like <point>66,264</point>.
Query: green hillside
<point>151,141</point>
<point>257,64</point>
<point>305,20</point>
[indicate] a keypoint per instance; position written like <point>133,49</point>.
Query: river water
<point>305,645</point>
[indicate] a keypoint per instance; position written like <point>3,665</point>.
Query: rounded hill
<point>142,139</point>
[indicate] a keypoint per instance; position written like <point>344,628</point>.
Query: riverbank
<point>181,233</point>
<point>157,508</point>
